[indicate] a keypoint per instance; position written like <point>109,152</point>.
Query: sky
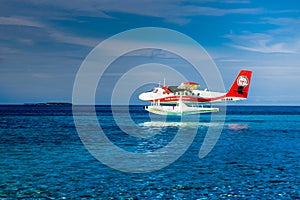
<point>44,43</point>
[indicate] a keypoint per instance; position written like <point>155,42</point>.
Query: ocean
<point>42,156</point>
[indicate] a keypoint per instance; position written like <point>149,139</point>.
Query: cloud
<point>75,40</point>
<point>261,42</point>
<point>230,60</point>
<point>237,1</point>
<point>30,15</point>
<point>46,32</point>
<point>19,21</point>
<point>264,47</point>
<point>7,50</point>
<point>176,11</point>
<point>273,35</point>
<point>281,21</point>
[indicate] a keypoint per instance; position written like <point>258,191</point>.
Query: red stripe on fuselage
<point>174,99</point>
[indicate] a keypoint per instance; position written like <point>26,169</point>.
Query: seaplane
<point>186,99</point>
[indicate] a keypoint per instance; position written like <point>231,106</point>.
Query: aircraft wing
<point>189,86</point>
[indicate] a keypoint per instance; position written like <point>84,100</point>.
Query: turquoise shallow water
<point>256,157</point>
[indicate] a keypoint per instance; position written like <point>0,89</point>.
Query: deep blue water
<point>256,157</point>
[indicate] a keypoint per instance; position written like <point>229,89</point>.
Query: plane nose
<point>143,97</point>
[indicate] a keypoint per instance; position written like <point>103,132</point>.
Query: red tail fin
<point>241,85</point>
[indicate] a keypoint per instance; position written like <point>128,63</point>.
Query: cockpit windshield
<point>155,90</point>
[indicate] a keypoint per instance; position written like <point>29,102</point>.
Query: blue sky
<point>43,43</point>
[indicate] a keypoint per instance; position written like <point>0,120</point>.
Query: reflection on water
<point>238,127</point>
<point>178,124</point>
<point>156,124</point>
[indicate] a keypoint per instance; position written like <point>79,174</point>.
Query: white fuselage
<point>195,96</point>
